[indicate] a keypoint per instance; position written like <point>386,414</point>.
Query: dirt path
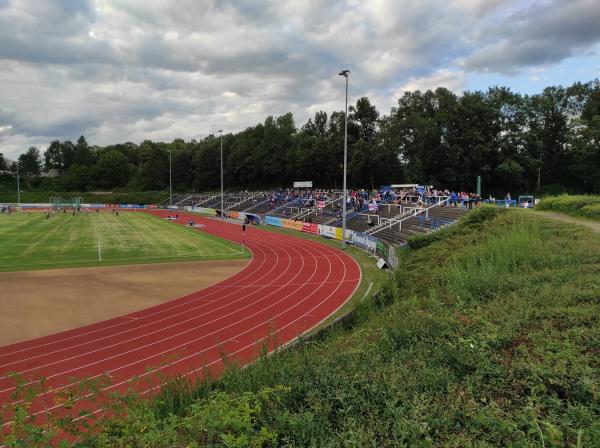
<point>37,303</point>
<point>594,225</point>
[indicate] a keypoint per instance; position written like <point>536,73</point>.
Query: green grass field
<point>30,241</point>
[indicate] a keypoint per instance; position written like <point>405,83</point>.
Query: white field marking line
<point>188,302</point>
<point>243,274</point>
<point>153,343</point>
<point>110,260</point>
<point>255,302</point>
<point>146,334</point>
<point>198,235</point>
<point>237,351</point>
<point>367,292</point>
<point>287,284</point>
<point>195,340</point>
<point>280,329</point>
<point>256,342</point>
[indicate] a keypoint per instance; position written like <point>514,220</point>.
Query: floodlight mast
<point>170,184</point>
<point>220,131</point>
<point>345,74</point>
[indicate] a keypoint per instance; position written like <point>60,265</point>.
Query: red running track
<point>289,287</point>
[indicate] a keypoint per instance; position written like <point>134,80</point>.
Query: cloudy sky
<point>129,70</point>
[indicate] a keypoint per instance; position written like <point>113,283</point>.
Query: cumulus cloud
<point>451,80</point>
<point>542,34</point>
<point>127,70</point>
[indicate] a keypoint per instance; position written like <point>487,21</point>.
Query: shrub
<point>571,205</point>
<point>591,211</point>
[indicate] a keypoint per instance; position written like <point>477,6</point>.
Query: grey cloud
<point>545,33</point>
<point>133,69</point>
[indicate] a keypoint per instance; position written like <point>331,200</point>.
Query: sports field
<point>30,241</point>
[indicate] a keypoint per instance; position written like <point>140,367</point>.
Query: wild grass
<point>583,206</point>
<point>487,337</point>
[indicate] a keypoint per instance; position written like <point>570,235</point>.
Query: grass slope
<point>30,241</point>
<point>582,206</point>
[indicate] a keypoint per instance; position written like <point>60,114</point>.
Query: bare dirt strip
<point>38,303</point>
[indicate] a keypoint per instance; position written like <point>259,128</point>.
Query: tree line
<point>517,143</point>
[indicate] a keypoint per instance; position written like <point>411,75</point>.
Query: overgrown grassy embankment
<point>487,335</point>
<point>583,206</point>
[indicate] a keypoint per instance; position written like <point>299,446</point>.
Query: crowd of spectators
<point>298,197</point>
<point>362,200</point>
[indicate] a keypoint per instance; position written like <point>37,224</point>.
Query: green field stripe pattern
<point>30,241</point>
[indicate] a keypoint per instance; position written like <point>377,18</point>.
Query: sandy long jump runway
<point>289,286</point>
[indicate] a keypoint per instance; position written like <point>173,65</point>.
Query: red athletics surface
<point>290,286</point>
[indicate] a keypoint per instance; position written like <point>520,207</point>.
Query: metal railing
<point>242,200</point>
<point>418,212</point>
<point>314,210</point>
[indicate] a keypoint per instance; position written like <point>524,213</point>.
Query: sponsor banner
<point>291,224</point>
<point>206,211</point>
<point>382,249</point>
<point>364,241</point>
<point>131,206</point>
<point>339,232</point>
<point>273,221</point>
<point>303,184</point>
<point>26,206</point>
<point>309,227</point>
<point>327,231</point>
<point>321,204</point>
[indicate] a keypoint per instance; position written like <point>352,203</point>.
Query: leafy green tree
<point>53,157</point>
<point>82,153</point>
<point>111,170</point>
<point>155,165</point>
<point>30,165</point>
<point>79,178</point>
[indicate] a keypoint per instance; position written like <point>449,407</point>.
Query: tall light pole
<point>18,189</point>
<point>220,131</point>
<point>170,184</point>
<point>345,74</point>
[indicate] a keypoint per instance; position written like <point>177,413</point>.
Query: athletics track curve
<point>289,287</point>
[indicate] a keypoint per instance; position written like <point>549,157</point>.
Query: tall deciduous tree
<point>30,165</point>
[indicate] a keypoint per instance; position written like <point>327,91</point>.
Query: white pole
<point>222,209</point>
<point>99,252</point>
<point>18,189</point>
<point>345,74</point>
<point>170,184</point>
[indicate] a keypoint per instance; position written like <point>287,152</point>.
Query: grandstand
<point>392,216</point>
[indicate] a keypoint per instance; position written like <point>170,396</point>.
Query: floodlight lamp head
<point>344,73</point>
